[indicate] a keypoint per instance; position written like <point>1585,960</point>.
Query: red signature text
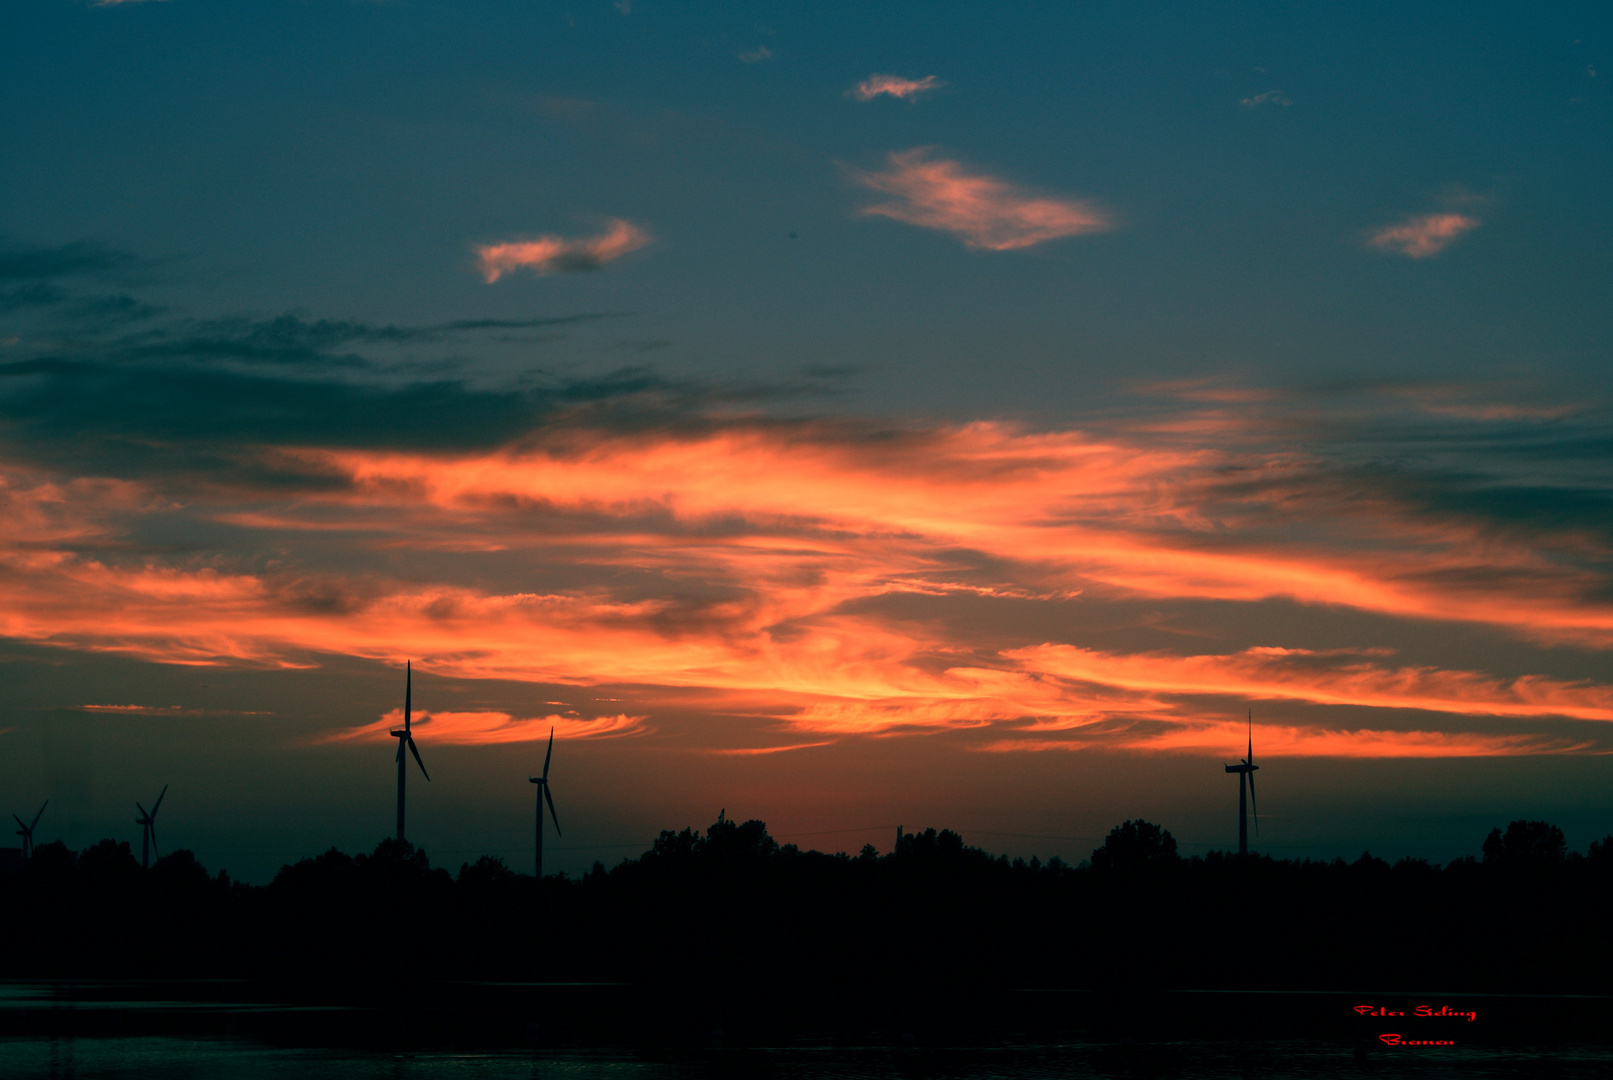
<point>1396,1040</point>
<point>1421,1010</point>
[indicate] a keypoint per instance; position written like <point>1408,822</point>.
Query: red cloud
<point>1277,674</point>
<point>982,211</point>
<point>895,86</point>
<point>758,569</point>
<point>1290,741</point>
<point>1423,236</point>
<point>558,255</point>
<point>483,728</point>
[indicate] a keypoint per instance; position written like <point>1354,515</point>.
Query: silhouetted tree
<point>1135,845</point>
<point>179,871</point>
<point>109,864</point>
<point>486,872</point>
<point>1525,845</point>
<point>729,916</point>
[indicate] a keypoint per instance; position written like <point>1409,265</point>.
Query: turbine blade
<point>552,815</point>
<point>408,691</point>
<point>1252,805</point>
<point>416,753</point>
<point>401,741</point>
<point>158,804</point>
<point>39,815</point>
<point>548,755</point>
<point>142,810</point>
<point>1250,759</point>
<point>18,820</point>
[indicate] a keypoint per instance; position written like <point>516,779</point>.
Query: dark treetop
<point>732,906</point>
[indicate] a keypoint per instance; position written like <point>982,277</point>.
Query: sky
<point>846,415</point>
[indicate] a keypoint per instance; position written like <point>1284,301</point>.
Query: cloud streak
<point>1423,236</point>
<point>559,255</point>
<point>488,728</point>
<point>838,578</point>
<point>1270,97</point>
<point>894,86</point>
<point>984,212</point>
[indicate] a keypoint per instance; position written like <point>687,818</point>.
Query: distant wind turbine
<point>27,831</point>
<point>544,797</point>
<point>1246,775</point>
<point>406,738</point>
<point>148,828</point>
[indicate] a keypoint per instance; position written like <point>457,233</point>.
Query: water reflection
<point>124,1030</point>
<point>142,1057</point>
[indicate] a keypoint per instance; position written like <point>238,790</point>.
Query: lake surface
<point>123,1031</point>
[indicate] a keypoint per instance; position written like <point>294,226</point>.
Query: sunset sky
<point>845,415</point>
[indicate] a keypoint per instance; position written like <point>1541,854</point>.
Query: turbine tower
<point>27,831</point>
<point>405,738</point>
<point>544,797</point>
<point>148,829</point>
<point>1246,777</point>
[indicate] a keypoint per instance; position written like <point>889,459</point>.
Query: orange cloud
<point>758,569</point>
<point>1424,235</point>
<point>752,751</point>
<point>895,86</point>
<point>1284,741</point>
<point>558,255</point>
<point>1283,674</point>
<point>982,211</point>
<point>485,728</point>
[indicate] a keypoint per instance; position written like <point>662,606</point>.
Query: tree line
<point>732,907</point>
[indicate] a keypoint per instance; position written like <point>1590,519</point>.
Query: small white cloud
<point>1423,235</point>
<point>560,255</point>
<point>1270,97</point>
<point>894,85</point>
<point>756,55</point>
<point>982,211</point>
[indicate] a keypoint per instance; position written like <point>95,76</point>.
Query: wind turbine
<point>405,738</point>
<point>544,797</point>
<point>27,831</point>
<point>1246,776</point>
<point>148,829</point>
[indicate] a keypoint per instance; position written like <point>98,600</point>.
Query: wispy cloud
<point>1424,235</point>
<point>756,55</point>
<point>1283,740</point>
<point>559,255</point>
<point>753,751</point>
<point>1078,586</point>
<point>1275,673</point>
<point>487,728</point>
<point>761,569</point>
<point>895,86</point>
<point>982,211</point>
<point>1270,97</point>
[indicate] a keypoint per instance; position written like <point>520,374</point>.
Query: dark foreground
<point>114,1030</point>
<point>729,920</point>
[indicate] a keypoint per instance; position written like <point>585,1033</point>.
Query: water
<point>130,1031</point>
